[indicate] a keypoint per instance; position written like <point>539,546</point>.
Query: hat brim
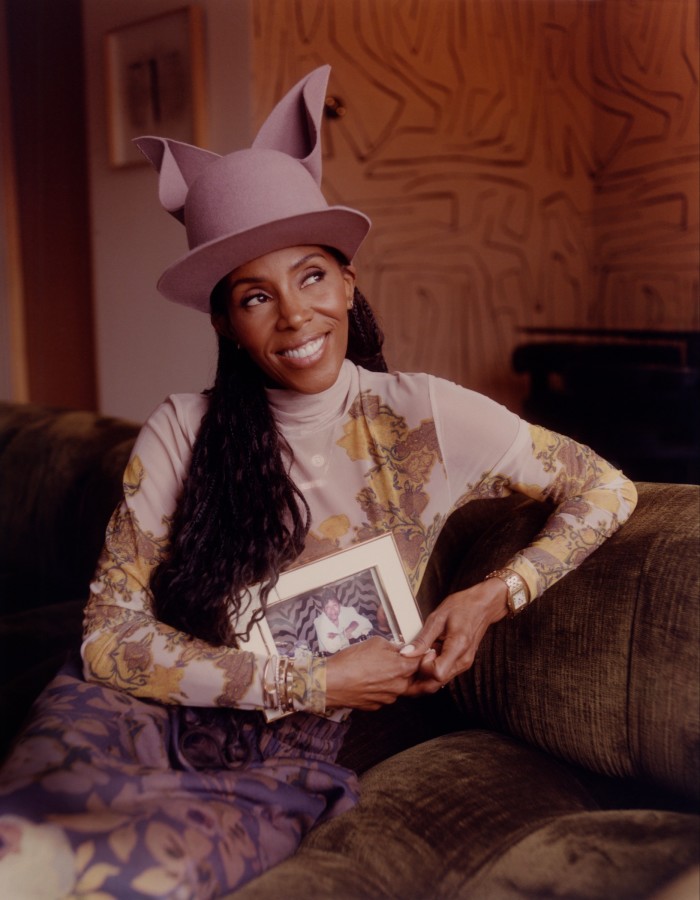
<point>191,279</point>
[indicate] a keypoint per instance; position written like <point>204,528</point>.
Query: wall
<point>13,372</point>
<point>148,347</point>
<point>48,277</point>
<point>644,61</point>
<point>524,163</point>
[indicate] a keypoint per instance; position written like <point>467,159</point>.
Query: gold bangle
<point>282,682</point>
<point>289,687</point>
<point>270,692</point>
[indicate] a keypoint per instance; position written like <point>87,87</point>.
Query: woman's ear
<point>349,279</point>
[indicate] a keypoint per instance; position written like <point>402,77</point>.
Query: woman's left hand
<point>451,635</point>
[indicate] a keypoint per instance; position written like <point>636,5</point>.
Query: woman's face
<point>289,311</point>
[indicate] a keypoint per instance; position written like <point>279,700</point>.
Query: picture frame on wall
<point>369,587</point>
<point>155,82</point>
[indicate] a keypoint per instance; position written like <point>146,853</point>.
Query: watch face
<point>519,600</point>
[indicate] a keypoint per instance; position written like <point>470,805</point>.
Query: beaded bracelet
<point>278,689</point>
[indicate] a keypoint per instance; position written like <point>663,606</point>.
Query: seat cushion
<point>623,854</point>
<point>474,813</point>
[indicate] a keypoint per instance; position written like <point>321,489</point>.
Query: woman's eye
<point>313,277</point>
<point>254,300</point>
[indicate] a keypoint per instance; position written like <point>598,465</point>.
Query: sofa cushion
<point>434,822</point>
<point>33,646</point>
<point>60,479</point>
<point>593,856</point>
<point>602,670</point>
<point>375,736</point>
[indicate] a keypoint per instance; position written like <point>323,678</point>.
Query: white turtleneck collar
<point>293,410</point>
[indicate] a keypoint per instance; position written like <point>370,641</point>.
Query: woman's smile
<point>307,352</point>
<point>288,310</point>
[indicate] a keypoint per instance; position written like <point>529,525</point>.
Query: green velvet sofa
<point>564,764</point>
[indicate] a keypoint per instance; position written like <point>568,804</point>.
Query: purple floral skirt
<point>107,795</point>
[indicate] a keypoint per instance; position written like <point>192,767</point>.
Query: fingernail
<point>407,650</point>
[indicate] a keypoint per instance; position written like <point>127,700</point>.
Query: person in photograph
<point>339,626</point>
<point>153,770</point>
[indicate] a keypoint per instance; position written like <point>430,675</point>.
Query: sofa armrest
<point>602,670</point>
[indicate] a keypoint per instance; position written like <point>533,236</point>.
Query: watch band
<point>518,592</point>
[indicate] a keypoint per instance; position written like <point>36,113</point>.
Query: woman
<point>154,772</point>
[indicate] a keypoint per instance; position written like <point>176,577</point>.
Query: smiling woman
<point>289,311</point>
<point>304,445</point>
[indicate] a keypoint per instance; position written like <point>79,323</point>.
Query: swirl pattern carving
<point>524,162</point>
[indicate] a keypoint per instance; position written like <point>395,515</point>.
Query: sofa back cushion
<point>60,479</point>
<point>602,670</point>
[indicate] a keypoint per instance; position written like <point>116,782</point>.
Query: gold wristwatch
<point>518,591</point>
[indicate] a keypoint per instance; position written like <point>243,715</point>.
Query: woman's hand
<point>368,675</point>
<point>447,643</point>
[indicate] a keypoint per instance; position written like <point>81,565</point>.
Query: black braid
<point>240,519</point>
<point>365,337</point>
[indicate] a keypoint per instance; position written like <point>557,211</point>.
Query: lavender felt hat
<point>238,207</point>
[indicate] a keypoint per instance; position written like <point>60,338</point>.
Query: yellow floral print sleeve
<point>591,499</point>
<point>125,647</point>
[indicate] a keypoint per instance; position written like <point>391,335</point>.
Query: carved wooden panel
<point>524,162</point>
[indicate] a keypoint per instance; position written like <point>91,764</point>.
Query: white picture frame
<point>368,577</point>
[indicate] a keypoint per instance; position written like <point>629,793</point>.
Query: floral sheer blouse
<point>374,453</point>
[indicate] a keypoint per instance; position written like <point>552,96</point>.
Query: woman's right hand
<point>368,675</point>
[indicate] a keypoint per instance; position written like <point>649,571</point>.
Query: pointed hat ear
<point>294,125</point>
<point>178,165</point>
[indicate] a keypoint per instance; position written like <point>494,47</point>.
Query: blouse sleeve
<point>591,499</point>
<point>124,645</point>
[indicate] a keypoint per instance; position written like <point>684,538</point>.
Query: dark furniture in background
<point>565,763</point>
<point>634,396</point>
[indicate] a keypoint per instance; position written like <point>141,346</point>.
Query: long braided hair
<point>240,518</point>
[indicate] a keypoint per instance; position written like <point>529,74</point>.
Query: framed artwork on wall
<point>155,82</point>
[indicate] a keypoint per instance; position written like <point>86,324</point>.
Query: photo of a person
<point>335,615</point>
<point>339,626</point>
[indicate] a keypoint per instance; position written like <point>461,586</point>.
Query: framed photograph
<point>155,82</point>
<point>327,605</point>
